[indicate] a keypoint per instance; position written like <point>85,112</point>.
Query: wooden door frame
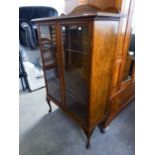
<point>126,44</point>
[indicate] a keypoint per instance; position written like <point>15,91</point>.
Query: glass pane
<point>49,57</point>
<point>49,53</point>
<point>130,60</point>
<point>48,34</point>
<point>48,41</point>
<point>53,83</point>
<point>76,47</point>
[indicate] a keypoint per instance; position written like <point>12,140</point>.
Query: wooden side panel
<point>104,43</point>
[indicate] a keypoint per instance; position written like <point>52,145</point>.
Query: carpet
<point>56,134</point>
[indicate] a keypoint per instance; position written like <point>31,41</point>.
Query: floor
<point>55,134</point>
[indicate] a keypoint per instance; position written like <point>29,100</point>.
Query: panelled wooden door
<point>125,7</point>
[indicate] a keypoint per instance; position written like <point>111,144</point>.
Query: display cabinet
<point>78,53</point>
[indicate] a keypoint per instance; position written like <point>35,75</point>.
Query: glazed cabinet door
<point>50,61</point>
<point>129,66</point>
<point>128,63</point>
<point>76,51</point>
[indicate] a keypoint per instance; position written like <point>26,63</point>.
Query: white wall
<point>71,4</point>
<point>59,5</point>
<point>62,6</point>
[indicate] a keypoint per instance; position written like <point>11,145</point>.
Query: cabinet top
<point>84,12</point>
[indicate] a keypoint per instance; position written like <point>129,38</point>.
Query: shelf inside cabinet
<point>76,51</point>
<point>46,67</point>
<point>47,46</point>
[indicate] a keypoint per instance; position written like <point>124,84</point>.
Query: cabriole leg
<point>102,130</point>
<point>88,146</point>
<point>49,104</point>
<point>102,127</point>
<point>88,135</point>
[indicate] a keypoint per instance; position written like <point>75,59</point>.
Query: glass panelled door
<point>75,57</point>
<point>130,61</point>
<point>50,61</point>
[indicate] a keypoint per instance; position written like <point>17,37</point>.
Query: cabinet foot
<point>101,127</point>
<point>88,135</point>
<point>102,130</point>
<point>49,104</point>
<point>88,146</point>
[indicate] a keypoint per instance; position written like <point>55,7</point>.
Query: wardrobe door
<point>129,65</point>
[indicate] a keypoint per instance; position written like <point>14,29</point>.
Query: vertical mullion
<point>90,53</point>
<point>60,61</point>
<point>133,72</point>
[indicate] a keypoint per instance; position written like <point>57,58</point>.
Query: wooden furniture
<point>123,78</point>
<point>78,54</point>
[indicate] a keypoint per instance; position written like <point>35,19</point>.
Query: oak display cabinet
<point>78,53</point>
